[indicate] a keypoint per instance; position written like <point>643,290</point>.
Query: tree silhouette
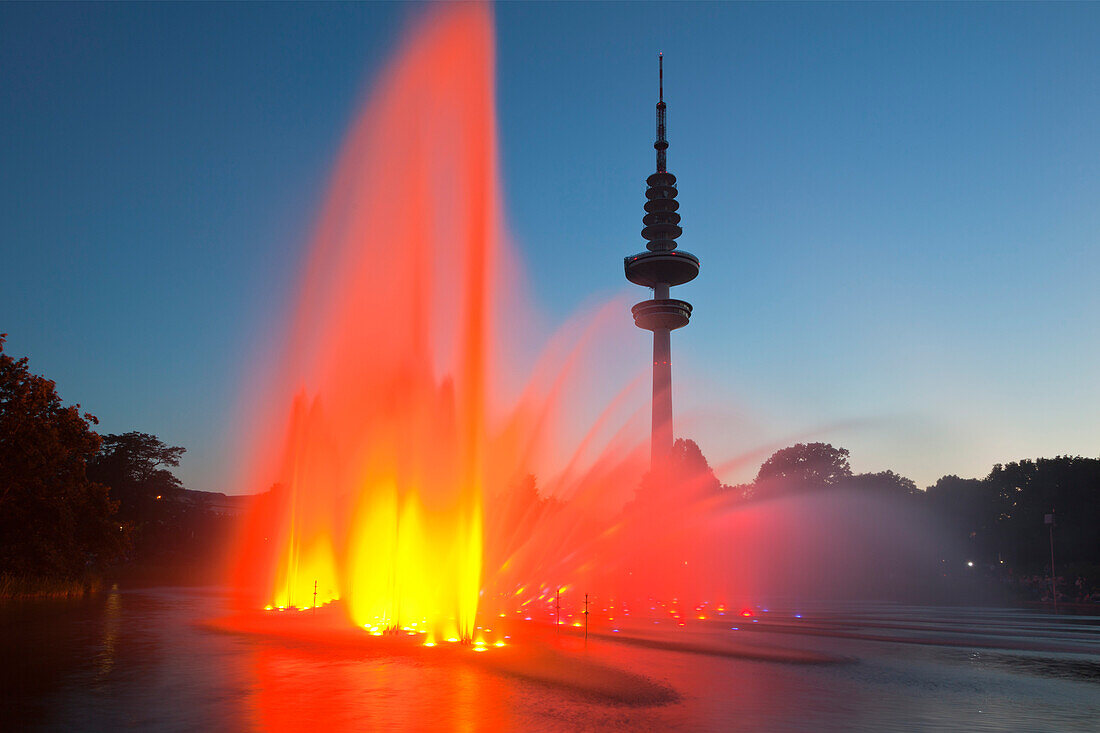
<point>686,475</point>
<point>883,481</point>
<point>691,465</point>
<point>135,466</point>
<point>1023,492</point>
<point>132,464</point>
<point>54,521</point>
<point>802,467</point>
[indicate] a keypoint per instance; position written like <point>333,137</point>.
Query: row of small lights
<point>481,645</point>
<point>410,630</point>
<point>675,612</point>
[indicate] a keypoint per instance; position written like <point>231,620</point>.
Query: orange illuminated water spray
<point>379,474</point>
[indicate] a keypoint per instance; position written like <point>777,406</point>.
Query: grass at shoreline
<point>29,586</point>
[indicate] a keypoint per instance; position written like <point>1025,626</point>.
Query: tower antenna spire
<point>660,77</point>
<point>662,144</point>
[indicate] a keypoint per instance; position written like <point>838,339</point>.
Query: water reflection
<point>298,689</point>
<point>112,617</point>
<point>147,659</point>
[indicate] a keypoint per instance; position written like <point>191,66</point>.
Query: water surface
<point>146,659</point>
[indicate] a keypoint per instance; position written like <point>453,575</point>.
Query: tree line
<point>75,504</point>
<point>1003,518</point>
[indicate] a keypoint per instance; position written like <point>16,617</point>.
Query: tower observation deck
<point>661,267</point>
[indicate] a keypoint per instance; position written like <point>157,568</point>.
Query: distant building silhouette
<point>225,505</point>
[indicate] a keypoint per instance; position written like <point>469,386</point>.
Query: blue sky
<point>897,207</point>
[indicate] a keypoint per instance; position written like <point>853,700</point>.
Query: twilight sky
<point>897,207</point>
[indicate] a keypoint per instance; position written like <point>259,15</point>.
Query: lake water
<point>148,660</point>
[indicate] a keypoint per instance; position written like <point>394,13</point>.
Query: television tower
<point>661,267</point>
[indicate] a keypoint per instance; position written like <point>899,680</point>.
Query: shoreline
<point>28,587</point>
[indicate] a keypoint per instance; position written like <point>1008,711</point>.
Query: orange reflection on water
<point>303,690</point>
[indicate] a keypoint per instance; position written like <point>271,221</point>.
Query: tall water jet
<point>378,470</point>
<point>412,427</point>
<point>662,266</point>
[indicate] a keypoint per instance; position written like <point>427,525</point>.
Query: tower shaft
<point>660,445</point>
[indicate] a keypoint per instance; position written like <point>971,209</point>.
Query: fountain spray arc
<point>661,267</point>
<point>378,469</point>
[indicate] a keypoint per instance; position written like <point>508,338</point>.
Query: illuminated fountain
<point>427,470</point>
<point>408,403</point>
<point>379,470</point>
